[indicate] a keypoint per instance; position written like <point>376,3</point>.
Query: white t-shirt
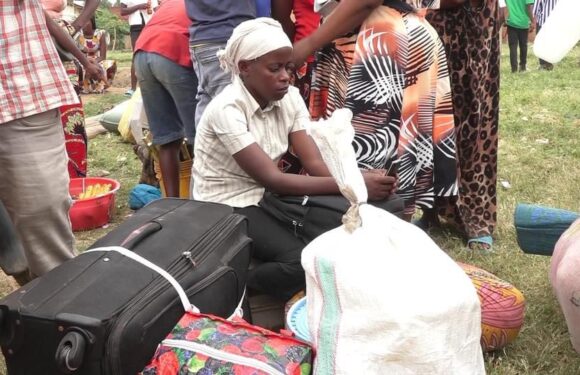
<point>135,17</point>
<point>232,121</point>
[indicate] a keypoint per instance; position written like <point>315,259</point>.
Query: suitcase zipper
<point>209,239</point>
<point>222,356</point>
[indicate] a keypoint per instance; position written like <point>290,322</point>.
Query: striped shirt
<point>232,121</point>
<point>542,9</point>
<point>32,78</point>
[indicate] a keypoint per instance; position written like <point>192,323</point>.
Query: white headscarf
<point>250,40</point>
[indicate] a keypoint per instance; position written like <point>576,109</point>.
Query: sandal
<point>483,243</point>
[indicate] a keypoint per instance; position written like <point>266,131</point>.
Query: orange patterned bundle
<point>502,308</point>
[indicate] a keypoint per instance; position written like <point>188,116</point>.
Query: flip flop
<point>483,243</point>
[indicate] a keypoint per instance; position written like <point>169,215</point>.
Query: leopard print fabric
<point>471,39</point>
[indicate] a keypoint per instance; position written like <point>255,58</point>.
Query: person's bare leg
<point>169,163</point>
<point>133,75</point>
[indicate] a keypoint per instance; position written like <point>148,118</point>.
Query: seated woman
<point>240,138</point>
<point>93,43</point>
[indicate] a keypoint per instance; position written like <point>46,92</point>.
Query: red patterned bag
<point>209,345</point>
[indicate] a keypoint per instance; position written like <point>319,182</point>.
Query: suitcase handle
<point>187,306</point>
<point>140,234</point>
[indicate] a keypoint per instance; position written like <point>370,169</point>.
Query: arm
<point>125,10</point>
<point>308,153</point>
<point>66,42</point>
<point>281,10</point>
<point>530,10</point>
<point>254,161</point>
<point>86,14</point>
<point>348,15</point>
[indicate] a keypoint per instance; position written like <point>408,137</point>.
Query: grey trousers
<point>34,189</point>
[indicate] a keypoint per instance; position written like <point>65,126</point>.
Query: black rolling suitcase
<point>104,313</point>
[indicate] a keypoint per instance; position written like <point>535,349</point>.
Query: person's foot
<point>129,92</point>
<point>523,69</point>
<point>483,244</point>
<point>514,70</point>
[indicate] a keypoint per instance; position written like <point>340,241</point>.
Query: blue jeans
<point>212,79</point>
<point>168,90</point>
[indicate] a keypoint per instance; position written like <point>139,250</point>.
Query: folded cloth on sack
<point>538,228</point>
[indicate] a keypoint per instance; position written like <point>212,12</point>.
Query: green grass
<point>101,103</point>
<point>122,57</point>
<point>536,105</point>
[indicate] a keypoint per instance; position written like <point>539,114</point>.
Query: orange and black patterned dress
<point>393,75</point>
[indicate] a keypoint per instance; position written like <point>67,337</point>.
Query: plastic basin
<point>92,212</point>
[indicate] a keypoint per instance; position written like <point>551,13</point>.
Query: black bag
<point>104,313</point>
<point>310,216</point>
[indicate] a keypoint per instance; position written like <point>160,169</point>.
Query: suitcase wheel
<point>70,352</point>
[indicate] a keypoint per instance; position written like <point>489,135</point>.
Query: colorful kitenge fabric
<point>91,47</point>
<point>471,39</point>
<point>392,74</point>
<point>73,121</point>
<point>502,308</point>
<point>234,340</point>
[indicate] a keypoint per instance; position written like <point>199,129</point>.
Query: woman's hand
<point>378,185</point>
<point>94,71</point>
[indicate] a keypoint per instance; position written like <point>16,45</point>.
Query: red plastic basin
<point>93,212</point>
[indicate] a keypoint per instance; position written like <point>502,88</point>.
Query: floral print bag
<point>209,345</point>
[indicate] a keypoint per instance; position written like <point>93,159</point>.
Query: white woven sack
<point>382,297</point>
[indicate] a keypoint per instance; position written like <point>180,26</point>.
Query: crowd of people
<point>421,78</point>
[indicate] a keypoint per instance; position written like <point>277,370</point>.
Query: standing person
<point>33,159</point>
<point>73,115</point>
<point>520,22</point>
<point>242,135</point>
<point>168,86</point>
<point>470,33</point>
<point>93,43</point>
<point>212,24</point>
<point>139,12</point>
<point>542,9</point>
<point>387,64</point>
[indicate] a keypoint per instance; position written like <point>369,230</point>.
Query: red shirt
<point>306,19</point>
<point>167,33</point>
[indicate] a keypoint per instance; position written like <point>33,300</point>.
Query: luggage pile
<point>164,294</point>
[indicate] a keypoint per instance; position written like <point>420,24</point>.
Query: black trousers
<point>277,250</point>
<point>518,37</point>
<point>278,271</point>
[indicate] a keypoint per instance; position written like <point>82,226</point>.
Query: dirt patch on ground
<point>122,79</point>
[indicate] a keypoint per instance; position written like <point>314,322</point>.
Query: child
<point>240,138</point>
